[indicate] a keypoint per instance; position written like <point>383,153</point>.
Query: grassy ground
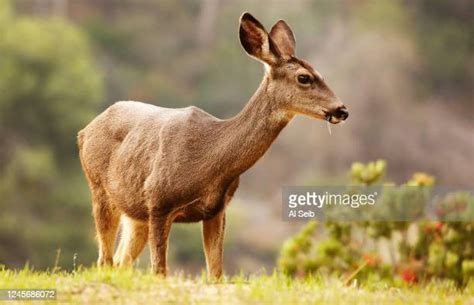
<point>91,286</point>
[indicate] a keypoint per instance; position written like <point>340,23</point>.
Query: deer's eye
<point>304,79</point>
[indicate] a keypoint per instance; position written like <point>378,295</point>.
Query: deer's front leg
<point>159,229</point>
<point>213,240</point>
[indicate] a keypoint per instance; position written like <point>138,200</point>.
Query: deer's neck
<point>248,135</point>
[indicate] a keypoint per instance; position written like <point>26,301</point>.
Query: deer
<point>148,167</point>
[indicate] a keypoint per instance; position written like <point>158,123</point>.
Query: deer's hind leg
<point>133,239</point>
<point>107,219</point>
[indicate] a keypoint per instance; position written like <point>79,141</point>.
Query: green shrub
<point>442,249</point>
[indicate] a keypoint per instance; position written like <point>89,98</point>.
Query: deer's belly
<point>212,204</point>
<point>199,211</point>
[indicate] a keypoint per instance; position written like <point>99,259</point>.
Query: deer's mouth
<point>331,118</point>
<point>337,116</point>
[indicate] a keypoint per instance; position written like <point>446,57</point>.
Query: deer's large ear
<point>256,41</point>
<point>283,37</point>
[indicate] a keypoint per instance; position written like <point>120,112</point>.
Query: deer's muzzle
<point>340,114</point>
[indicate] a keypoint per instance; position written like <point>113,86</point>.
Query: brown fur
<point>153,166</point>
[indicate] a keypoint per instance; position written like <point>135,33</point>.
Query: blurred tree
<point>445,34</point>
<point>50,89</point>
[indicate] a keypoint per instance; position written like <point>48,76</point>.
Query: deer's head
<point>297,87</point>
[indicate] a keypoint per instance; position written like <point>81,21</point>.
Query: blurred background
<point>405,69</point>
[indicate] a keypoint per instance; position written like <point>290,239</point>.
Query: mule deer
<point>153,166</point>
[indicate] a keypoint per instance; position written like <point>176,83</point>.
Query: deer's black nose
<point>341,113</point>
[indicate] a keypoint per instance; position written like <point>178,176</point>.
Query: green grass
<point>92,286</point>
